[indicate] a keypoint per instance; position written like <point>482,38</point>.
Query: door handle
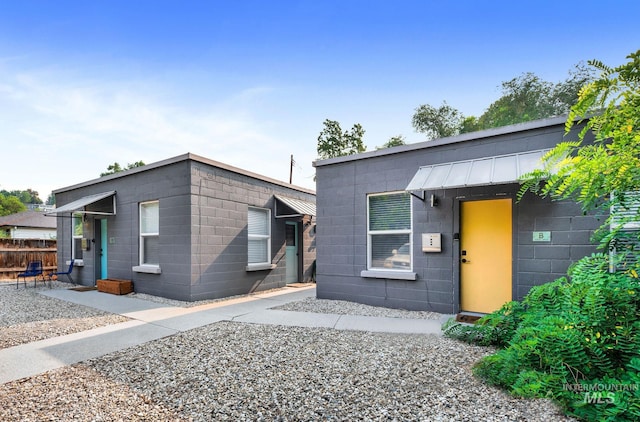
<point>465,261</point>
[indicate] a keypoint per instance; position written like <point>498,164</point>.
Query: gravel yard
<point>27,316</point>
<point>342,307</point>
<point>235,371</point>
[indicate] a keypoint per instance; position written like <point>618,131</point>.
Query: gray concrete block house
<point>437,226</point>
<point>187,228</point>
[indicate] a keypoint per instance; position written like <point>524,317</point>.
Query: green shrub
<point>493,329</point>
<point>576,342</point>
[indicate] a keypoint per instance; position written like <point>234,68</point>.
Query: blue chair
<point>67,273</point>
<point>34,269</point>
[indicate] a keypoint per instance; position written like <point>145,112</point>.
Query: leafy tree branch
<point>333,142</point>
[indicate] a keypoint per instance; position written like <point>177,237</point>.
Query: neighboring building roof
<point>185,157</point>
<point>28,219</point>
<point>40,207</point>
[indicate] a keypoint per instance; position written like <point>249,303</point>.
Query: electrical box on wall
<point>431,242</point>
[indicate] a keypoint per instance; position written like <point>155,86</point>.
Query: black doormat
<point>470,319</point>
<point>83,288</point>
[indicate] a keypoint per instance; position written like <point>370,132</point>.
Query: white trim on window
<point>259,239</point>
<point>149,232</point>
<point>260,267</point>
<point>389,274</point>
<point>626,219</point>
<point>77,233</point>
<point>628,215</point>
<point>389,236</point>
<point>148,269</point>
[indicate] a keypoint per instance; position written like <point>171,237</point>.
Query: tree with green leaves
<point>394,141</point>
<point>565,94</point>
<point>10,204</point>
<point>528,97</point>
<point>604,174</point>
<point>116,168</point>
<point>28,196</point>
<point>470,124</point>
<point>437,122</point>
<point>524,98</point>
<point>333,142</point>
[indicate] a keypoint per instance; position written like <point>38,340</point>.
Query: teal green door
<point>291,253</point>
<point>103,249</point>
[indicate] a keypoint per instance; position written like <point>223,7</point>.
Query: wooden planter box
<point>115,286</point>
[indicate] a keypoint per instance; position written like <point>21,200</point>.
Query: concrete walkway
<point>151,321</point>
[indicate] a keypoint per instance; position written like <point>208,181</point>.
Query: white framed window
<point>625,220</point>
<point>258,237</point>
<point>389,229</point>
<point>149,233</point>
<point>77,233</point>
<point>626,213</point>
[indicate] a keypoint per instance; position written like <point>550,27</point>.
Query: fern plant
<point>578,331</point>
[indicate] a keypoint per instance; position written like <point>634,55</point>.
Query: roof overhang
<point>496,170</point>
<point>98,204</point>
<point>293,207</point>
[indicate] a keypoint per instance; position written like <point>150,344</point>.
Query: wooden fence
<point>15,254</point>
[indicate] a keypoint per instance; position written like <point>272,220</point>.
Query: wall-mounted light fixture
<point>433,200</point>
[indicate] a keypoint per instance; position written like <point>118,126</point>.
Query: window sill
<point>260,267</point>
<point>149,269</point>
<point>76,263</point>
<point>392,275</point>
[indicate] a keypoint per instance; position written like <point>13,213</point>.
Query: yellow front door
<point>485,255</point>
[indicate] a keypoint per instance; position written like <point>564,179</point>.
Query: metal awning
<point>100,204</point>
<point>495,170</point>
<point>297,206</point>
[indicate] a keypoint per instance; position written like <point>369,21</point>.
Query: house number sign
<point>542,236</point>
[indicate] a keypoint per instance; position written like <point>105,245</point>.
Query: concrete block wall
<point>308,251</point>
<point>220,210</point>
<point>221,202</point>
<point>571,232</point>
<point>170,186</point>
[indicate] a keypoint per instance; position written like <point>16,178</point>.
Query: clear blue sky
<point>86,83</point>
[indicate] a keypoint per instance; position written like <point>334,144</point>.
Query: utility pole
<point>291,169</point>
